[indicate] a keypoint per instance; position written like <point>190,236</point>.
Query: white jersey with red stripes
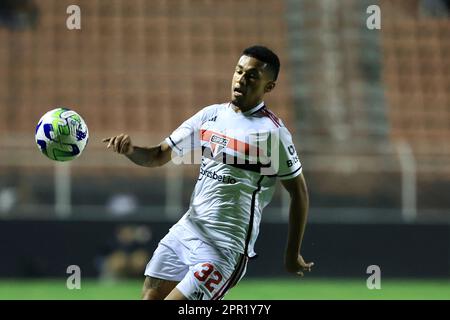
<point>242,155</point>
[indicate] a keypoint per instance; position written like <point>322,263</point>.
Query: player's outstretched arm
<point>298,212</point>
<point>144,156</point>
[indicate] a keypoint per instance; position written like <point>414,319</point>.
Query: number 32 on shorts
<point>215,277</point>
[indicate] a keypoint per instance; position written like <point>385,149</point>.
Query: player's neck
<point>238,108</point>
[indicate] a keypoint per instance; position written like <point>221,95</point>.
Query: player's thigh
<point>157,289</point>
<point>166,268</point>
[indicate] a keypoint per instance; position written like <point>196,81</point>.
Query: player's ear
<point>269,86</point>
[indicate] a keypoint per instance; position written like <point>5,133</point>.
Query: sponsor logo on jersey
<point>215,176</point>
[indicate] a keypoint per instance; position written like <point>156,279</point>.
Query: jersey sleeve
<point>187,136</point>
<point>289,162</point>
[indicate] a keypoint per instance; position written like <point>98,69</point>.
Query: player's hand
<point>121,144</point>
<point>298,266</point>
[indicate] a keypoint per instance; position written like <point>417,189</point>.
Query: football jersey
<point>242,154</point>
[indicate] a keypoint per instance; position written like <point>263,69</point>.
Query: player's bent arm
<point>151,156</point>
<point>298,213</point>
<point>144,156</point>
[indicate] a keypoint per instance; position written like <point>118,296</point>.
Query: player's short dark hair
<point>266,55</point>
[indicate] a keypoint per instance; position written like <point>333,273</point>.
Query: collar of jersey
<point>254,109</point>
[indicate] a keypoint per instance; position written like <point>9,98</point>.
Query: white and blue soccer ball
<point>61,134</point>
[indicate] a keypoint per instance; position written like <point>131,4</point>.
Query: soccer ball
<point>61,134</point>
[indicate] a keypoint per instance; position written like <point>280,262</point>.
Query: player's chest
<point>230,124</point>
<point>231,133</point>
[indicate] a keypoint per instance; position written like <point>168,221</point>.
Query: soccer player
<point>245,148</point>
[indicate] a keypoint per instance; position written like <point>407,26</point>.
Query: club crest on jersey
<point>217,144</point>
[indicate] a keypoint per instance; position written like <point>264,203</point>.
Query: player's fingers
<point>117,142</point>
<point>114,144</point>
<point>111,141</point>
<point>124,146</point>
<point>299,273</point>
<point>308,267</point>
<point>106,140</point>
<point>129,145</point>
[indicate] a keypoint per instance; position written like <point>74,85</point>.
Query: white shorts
<point>204,272</point>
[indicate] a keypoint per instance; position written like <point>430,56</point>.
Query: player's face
<point>251,80</point>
